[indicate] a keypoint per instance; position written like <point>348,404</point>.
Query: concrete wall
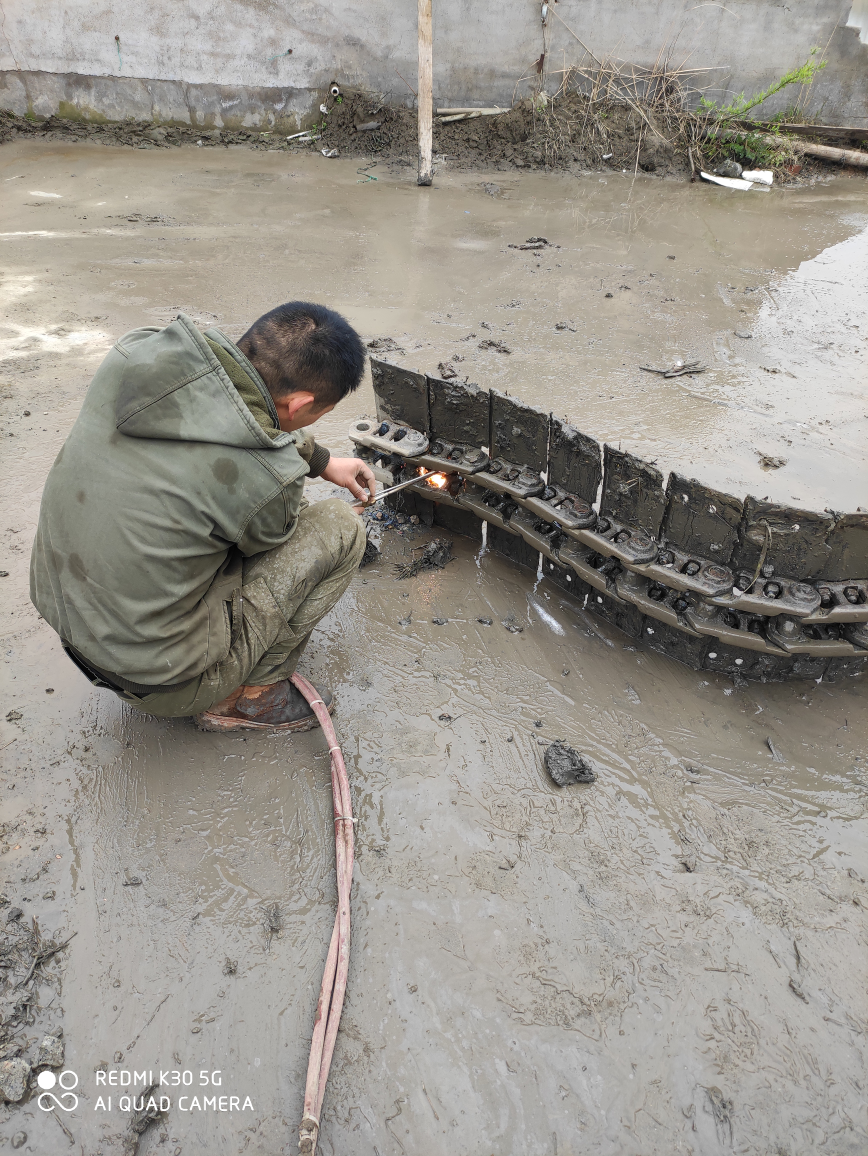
<point>223,62</point>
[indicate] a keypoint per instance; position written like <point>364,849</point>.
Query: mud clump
<point>50,1054</point>
<point>371,554</point>
<point>14,1078</point>
<point>385,345</point>
<point>721,1109</point>
<point>481,142</point>
<point>141,1120</point>
<point>272,923</point>
<point>567,766</point>
<point>433,556</point>
<point>130,133</point>
<point>656,153</point>
<point>525,136</point>
<point>24,954</point>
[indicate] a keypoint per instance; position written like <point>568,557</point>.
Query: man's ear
<point>291,404</point>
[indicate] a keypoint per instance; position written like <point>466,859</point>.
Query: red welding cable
<point>334,981</point>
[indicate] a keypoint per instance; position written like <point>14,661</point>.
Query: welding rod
<point>394,489</point>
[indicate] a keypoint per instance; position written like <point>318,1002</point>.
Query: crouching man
<point>176,556</point>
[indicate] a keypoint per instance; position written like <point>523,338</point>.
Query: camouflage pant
<point>285,592</point>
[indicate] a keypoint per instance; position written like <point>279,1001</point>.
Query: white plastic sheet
<point>732,182</point>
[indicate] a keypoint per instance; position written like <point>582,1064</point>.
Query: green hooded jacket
<point>175,470</point>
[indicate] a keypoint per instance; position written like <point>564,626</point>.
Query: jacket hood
<point>174,388</point>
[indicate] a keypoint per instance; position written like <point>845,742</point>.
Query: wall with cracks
<point>240,63</point>
<point>746,587</point>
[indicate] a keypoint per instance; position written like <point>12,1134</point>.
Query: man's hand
<point>353,475</point>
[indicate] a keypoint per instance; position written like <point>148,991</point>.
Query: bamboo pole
<point>425,98</point>
<point>854,157</point>
<point>834,132</point>
<point>827,153</point>
<point>471,111</point>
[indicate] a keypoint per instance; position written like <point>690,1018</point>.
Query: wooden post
<point>425,97</point>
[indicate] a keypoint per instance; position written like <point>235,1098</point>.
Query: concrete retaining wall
<point>225,63</point>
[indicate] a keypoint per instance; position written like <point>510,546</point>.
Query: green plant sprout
<point>727,136</point>
<point>742,104</point>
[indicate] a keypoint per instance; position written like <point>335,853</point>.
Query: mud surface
<point>521,137</point>
<point>668,960</point>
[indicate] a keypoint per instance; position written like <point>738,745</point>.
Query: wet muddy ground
<point>669,960</point>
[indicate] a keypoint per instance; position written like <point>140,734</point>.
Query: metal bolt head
<point>717,573</point>
<point>802,592</point>
<point>767,570</point>
<point>788,627</point>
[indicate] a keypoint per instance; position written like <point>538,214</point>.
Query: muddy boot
<point>279,707</point>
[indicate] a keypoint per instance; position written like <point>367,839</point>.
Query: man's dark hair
<point>302,346</point>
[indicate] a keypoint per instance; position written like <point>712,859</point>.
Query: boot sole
<point>218,722</point>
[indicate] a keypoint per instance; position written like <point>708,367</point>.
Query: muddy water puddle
<point>637,271</point>
<point>668,960</point>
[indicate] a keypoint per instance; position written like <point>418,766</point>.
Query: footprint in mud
<point>488,871</point>
<point>721,1110</point>
<point>380,867</point>
<point>412,752</point>
<point>508,814</point>
<point>273,923</point>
